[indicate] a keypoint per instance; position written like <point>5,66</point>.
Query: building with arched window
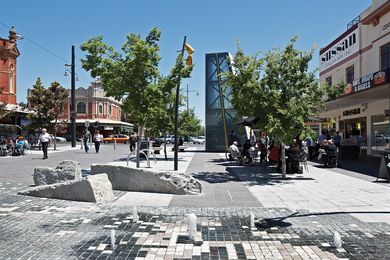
<point>102,112</point>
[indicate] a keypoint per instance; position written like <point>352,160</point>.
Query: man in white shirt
<point>44,139</point>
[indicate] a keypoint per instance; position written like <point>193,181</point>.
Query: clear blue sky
<point>210,26</point>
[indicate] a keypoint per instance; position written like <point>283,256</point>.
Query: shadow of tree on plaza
<point>214,177</point>
<point>264,175</point>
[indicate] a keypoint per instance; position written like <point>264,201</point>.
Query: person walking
<point>87,139</point>
<point>44,140</point>
<point>132,141</point>
<point>97,138</point>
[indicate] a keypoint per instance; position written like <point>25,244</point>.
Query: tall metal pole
<point>176,155</point>
<point>73,100</point>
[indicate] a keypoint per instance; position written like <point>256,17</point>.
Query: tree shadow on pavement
<point>214,177</point>
<point>264,175</point>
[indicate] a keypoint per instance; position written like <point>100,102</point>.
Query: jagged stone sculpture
<point>96,188</point>
<point>65,171</point>
<point>135,179</point>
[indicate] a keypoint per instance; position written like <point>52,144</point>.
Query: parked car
<point>199,140</point>
<point>69,138</point>
<point>58,139</point>
<point>170,139</point>
<point>118,138</point>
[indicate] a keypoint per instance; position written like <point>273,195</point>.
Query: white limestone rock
<point>135,179</point>
<point>65,171</point>
<point>96,188</point>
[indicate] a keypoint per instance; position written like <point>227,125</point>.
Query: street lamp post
<point>176,154</point>
<point>73,113</point>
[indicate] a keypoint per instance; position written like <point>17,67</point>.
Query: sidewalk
<point>295,218</point>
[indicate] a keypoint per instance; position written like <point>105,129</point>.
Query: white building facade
<point>360,57</point>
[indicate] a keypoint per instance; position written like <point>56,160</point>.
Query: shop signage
<point>386,26</point>
<point>366,82</point>
<point>351,112</point>
<point>108,128</point>
<point>342,49</point>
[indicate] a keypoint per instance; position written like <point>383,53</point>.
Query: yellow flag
<point>189,49</point>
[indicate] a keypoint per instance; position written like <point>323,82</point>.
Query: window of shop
<point>328,80</point>
<point>355,128</point>
<point>380,134</point>
<point>81,108</point>
<point>385,56</point>
<point>350,74</point>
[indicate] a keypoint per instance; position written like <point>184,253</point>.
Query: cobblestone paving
<point>36,228</point>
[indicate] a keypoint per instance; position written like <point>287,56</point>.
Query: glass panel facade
<point>217,63</point>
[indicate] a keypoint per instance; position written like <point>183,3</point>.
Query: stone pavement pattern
<point>37,228</point>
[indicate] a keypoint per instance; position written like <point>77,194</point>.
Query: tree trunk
<point>165,147</point>
<point>55,134</point>
<point>283,158</point>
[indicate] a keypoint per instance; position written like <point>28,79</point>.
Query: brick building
<point>8,54</point>
<point>100,111</point>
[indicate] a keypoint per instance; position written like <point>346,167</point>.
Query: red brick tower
<point>8,55</point>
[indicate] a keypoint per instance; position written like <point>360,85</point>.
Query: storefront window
<point>355,129</point>
<point>380,134</point>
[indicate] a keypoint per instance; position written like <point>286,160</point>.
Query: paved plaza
<point>294,218</point>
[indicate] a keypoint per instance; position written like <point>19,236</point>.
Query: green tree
<point>56,96</point>
<point>279,90</point>
<point>37,102</point>
<point>189,123</point>
<point>132,76</point>
<point>47,105</point>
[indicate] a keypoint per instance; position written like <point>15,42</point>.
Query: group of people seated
<point>328,153</point>
<point>249,151</point>
<point>14,147</point>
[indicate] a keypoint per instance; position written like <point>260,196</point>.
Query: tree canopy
<point>132,76</point>
<point>278,89</point>
<point>48,105</point>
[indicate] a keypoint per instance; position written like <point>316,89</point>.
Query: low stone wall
<point>134,179</point>
<point>96,188</point>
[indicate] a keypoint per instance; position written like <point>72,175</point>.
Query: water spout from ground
<point>135,214</point>
<point>192,226</point>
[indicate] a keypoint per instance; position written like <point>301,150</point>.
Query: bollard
<point>114,144</point>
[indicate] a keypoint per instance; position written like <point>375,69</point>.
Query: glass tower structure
<point>220,115</point>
